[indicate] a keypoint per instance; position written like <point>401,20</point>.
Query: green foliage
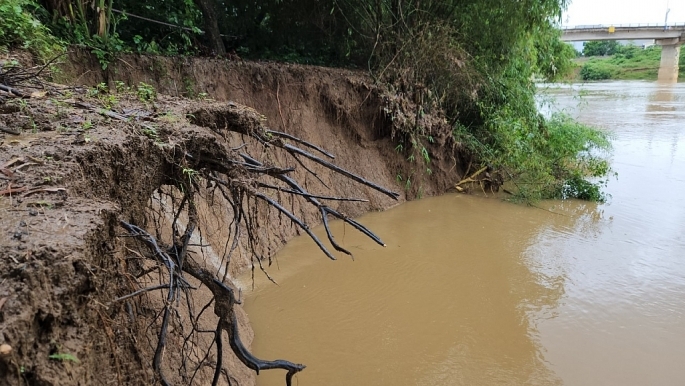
<point>468,63</point>
<point>553,57</point>
<point>146,92</point>
<point>146,37</point>
<point>595,71</point>
<point>78,22</point>
<point>553,158</point>
<point>473,61</point>
<point>543,158</point>
<point>600,48</point>
<point>102,93</point>
<point>19,28</point>
<point>64,357</point>
<point>628,62</point>
<point>150,132</point>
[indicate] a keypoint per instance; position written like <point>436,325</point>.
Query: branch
<point>299,193</point>
<point>472,176</point>
<point>325,210</point>
<point>352,176</point>
<point>223,308</point>
<point>300,141</point>
<point>140,291</point>
<point>13,91</point>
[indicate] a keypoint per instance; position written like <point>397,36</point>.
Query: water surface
<point>476,291</point>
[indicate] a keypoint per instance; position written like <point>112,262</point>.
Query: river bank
<point>630,63</point>
<point>77,160</point>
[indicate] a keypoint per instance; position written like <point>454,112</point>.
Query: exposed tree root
<point>239,178</point>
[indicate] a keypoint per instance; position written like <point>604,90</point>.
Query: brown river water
<point>477,291</point>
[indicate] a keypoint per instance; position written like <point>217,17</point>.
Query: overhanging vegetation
<point>471,62</point>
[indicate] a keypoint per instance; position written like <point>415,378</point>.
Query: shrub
<point>19,28</point>
<point>544,158</point>
<point>595,71</point>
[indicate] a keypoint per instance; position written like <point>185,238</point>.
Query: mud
<point>73,173</point>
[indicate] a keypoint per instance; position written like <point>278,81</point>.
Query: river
<point>476,291</point>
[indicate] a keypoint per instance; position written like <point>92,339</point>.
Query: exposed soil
<point>75,171</point>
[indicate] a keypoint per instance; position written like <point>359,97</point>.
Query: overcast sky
<point>607,12</point>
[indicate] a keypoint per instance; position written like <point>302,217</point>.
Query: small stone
<point>5,349</point>
<point>22,223</point>
<point>33,212</point>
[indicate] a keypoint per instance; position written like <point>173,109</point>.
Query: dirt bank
<point>84,161</point>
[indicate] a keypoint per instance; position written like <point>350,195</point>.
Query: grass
<point>62,357</point>
<point>630,63</point>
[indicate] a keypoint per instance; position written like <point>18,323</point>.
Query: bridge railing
<point>631,25</point>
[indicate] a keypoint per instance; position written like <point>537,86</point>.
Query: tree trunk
<point>209,10</point>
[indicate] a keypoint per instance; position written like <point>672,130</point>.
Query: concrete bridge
<point>669,37</point>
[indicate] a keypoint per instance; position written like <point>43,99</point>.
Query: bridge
<point>669,37</point>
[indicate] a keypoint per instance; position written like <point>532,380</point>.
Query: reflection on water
<point>475,291</point>
<point>662,100</point>
<point>625,290</point>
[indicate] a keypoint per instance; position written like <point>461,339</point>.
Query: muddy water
<point>475,291</point>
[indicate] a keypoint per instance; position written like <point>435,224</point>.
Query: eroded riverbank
<point>80,300</point>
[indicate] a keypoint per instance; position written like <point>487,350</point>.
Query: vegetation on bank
<point>471,62</point>
<point>19,27</point>
<point>622,62</point>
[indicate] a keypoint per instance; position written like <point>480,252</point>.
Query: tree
<point>600,48</point>
<point>210,15</point>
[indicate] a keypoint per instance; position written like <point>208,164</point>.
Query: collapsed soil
<point>74,171</point>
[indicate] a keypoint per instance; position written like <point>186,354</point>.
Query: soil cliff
<point>76,160</point>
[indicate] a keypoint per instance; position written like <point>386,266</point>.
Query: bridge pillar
<point>670,54</point>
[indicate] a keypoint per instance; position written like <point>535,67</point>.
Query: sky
<point>608,12</point>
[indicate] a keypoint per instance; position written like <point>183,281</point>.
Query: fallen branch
<point>472,176</point>
<point>7,172</point>
<point>20,76</point>
<point>10,191</point>
<point>9,131</point>
<point>13,91</point>
<point>44,190</point>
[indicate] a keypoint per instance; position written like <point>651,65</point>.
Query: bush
<point>544,158</point>
<point>628,62</point>
<point>19,28</point>
<point>595,71</point>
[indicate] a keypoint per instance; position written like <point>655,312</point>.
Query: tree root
<point>238,177</point>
